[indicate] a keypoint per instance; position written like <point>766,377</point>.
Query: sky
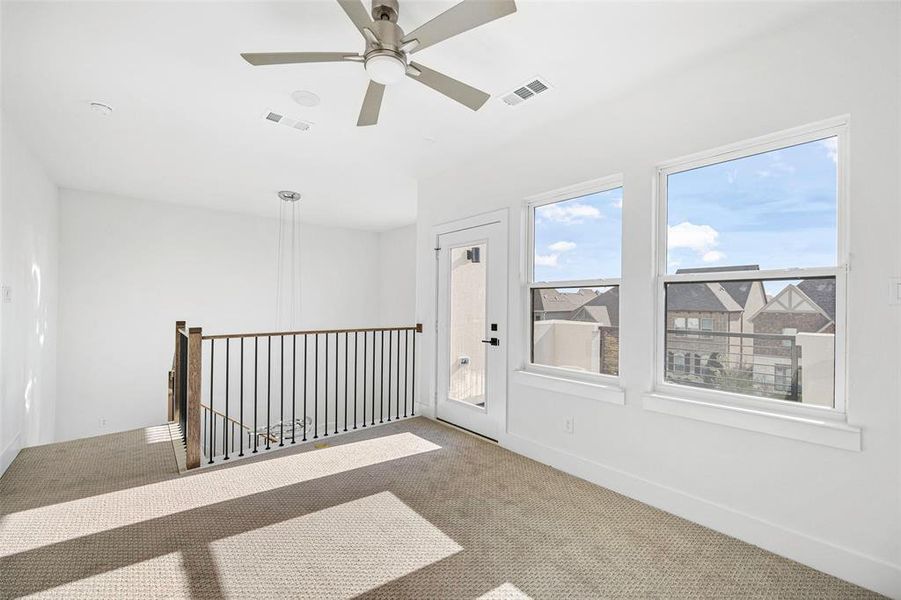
<point>579,238</point>
<point>776,209</point>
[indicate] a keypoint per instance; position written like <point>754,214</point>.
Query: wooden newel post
<point>195,361</point>
<point>174,377</point>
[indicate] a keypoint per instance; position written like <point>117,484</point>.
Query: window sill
<point>835,434</point>
<point>562,384</point>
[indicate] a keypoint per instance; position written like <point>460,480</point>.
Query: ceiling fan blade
<point>372,103</point>
<point>450,87</point>
<point>467,15</point>
<point>290,58</point>
<point>357,13</point>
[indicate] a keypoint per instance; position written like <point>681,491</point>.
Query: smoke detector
<point>291,122</point>
<point>526,91</point>
<point>305,98</point>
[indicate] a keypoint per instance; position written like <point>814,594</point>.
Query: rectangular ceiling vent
<point>287,121</point>
<point>526,91</point>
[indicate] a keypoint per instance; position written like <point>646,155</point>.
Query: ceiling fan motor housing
<point>385,10</point>
<point>389,36</point>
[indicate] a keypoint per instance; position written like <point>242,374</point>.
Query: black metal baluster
<point>397,391</point>
<point>337,343</point>
<point>241,403</point>
<point>256,388</point>
<point>293,386</point>
<point>372,412</point>
<point>304,388</point>
<point>268,390</point>
<point>281,422</point>
<point>345,381</point>
<point>382,384</point>
<point>356,378</point>
<point>365,346</point>
<point>390,353</point>
<point>325,392</point>
<point>316,388</point>
<point>212,415</point>
<point>225,420</point>
<point>406,365</point>
<point>413,379</point>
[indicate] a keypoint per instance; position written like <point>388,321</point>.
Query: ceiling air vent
<point>287,121</point>
<point>526,92</point>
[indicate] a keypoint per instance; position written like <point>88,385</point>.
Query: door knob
<point>493,341</point>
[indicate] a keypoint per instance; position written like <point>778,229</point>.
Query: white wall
<point>834,509</point>
<point>28,324</point>
<point>397,276</point>
<point>130,268</point>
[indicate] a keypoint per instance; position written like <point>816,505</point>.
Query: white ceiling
<point>188,126</point>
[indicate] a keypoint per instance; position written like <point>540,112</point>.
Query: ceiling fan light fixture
<point>385,68</point>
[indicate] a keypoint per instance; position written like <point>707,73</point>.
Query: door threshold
<point>469,431</point>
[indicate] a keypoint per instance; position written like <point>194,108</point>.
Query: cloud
<point>546,260</point>
<point>831,146</point>
<point>617,202</point>
<point>562,246</point>
<point>570,214</point>
<point>731,175</point>
<point>712,256</point>
<point>700,238</point>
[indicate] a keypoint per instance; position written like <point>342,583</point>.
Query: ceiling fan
<point>387,54</point>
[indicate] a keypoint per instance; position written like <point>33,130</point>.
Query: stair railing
<point>241,393</point>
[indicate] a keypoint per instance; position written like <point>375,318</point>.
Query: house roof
<point>700,297</point>
<point>738,290</point>
<point>603,309</point>
<point>553,300</point>
<point>810,295</point>
<point>821,291</point>
<point>593,314</point>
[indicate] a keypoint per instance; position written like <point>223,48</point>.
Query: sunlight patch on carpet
<point>38,527</point>
<point>337,552</point>
<point>507,591</point>
<point>159,577</point>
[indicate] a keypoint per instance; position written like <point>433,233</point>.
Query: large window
<point>576,236</point>
<point>752,271</point>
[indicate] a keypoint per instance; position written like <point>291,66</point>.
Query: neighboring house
<point>808,309</point>
<point>704,311</point>
<point>577,330</point>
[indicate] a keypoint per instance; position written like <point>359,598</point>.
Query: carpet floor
<point>411,509</point>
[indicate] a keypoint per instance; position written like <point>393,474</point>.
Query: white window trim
<point>748,404</point>
<point>595,381</point>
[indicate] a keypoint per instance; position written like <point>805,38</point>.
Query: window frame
<point>838,128</point>
<point>572,192</point>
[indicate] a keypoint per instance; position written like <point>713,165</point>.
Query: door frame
<point>502,217</point>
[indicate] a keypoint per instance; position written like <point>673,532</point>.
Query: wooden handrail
<point>239,424</point>
<point>417,328</point>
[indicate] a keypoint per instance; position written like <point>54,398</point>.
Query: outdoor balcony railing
<point>753,363</point>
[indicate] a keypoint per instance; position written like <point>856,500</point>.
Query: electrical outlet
<point>101,422</point>
<point>7,293</point>
<point>568,424</point>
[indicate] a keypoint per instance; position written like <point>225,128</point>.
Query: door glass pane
<point>468,284</point>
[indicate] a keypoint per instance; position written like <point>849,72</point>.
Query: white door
<point>472,328</point>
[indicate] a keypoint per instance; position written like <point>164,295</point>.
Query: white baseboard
<point>9,453</point>
<point>850,565</point>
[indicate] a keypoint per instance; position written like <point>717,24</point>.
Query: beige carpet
<point>408,510</point>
